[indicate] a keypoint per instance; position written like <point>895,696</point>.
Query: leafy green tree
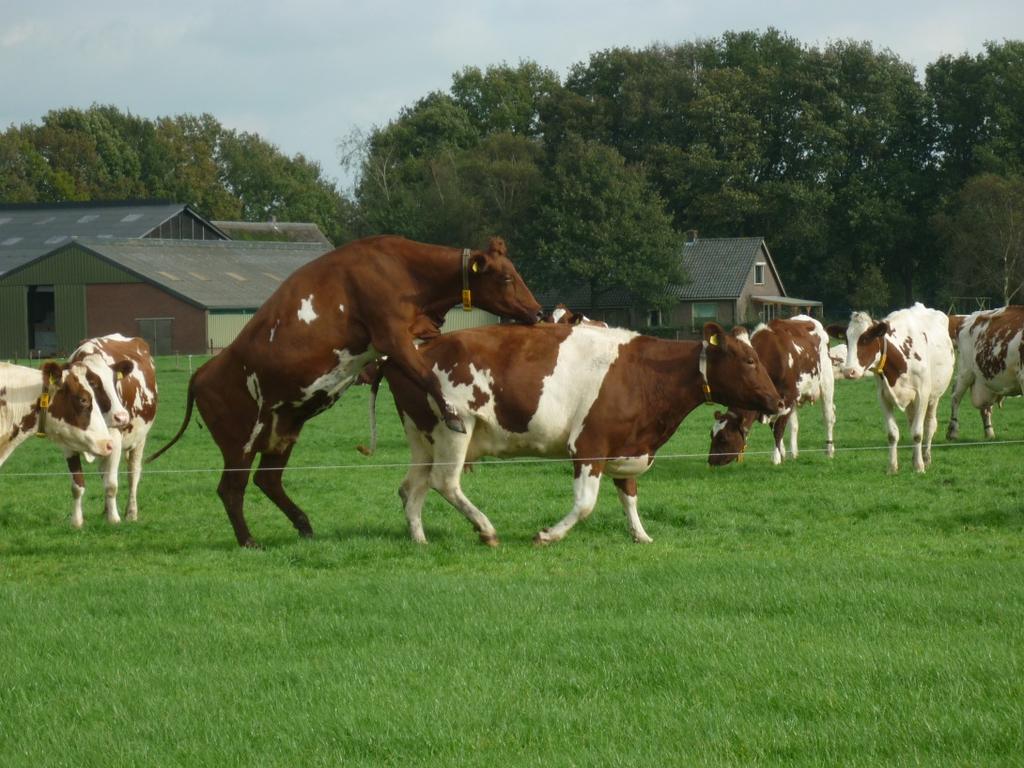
<point>983,230</point>
<point>598,221</point>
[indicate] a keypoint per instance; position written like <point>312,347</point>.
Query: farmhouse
<point>731,280</point>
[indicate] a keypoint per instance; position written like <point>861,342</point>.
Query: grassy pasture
<point>818,613</point>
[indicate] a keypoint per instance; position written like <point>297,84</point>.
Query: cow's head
<point>735,374</point>
<point>72,417</point>
<point>865,343</point>
<point>497,287</point>
<point>729,436</point>
<point>103,376</point>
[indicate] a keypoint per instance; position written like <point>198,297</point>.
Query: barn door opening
<point>158,333</point>
<point>42,320</point>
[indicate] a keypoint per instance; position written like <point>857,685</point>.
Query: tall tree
<point>599,222</point>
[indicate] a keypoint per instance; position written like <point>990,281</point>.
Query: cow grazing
<point>911,355</point>
<point>989,343</point>
<point>795,353</point>
<point>55,402</point>
<point>562,314</point>
<point>605,398</point>
<point>307,344</point>
<point>837,356</point>
<point>123,376</point>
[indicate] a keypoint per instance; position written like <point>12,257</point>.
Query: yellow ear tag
<point>713,341</point>
<point>120,376</point>
<point>475,267</point>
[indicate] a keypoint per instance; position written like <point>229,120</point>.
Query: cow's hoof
<point>307,534</point>
<point>543,538</point>
<point>645,539</point>
<point>490,539</point>
<point>454,423</point>
<point>251,543</point>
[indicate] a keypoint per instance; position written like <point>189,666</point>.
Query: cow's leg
<point>626,487</point>
<point>963,382</point>
<point>416,484</point>
<point>986,421</point>
<point>445,477</point>
<point>794,432</point>
<point>931,423</point>
<point>110,466</point>
<point>231,490</point>
<point>77,489</point>
<point>828,415</point>
<point>916,414</point>
<point>134,476</point>
<point>892,430</point>
<point>269,479</point>
<point>778,433</point>
<point>585,485</point>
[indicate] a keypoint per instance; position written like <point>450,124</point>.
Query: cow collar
<point>467,295</point>
<point>877,370</point>
<point>43,403</point>
<point>702,366</point>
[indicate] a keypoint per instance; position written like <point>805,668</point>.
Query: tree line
<point>872,188</point>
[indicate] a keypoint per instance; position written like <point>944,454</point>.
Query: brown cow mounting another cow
<point>307,344</point>
<point>605,398</point>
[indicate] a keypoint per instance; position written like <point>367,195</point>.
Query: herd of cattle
<point>555,386</point>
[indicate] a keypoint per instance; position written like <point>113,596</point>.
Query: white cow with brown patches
<point>605,398</point>
<point>56,402</point>
<point>122,373</point>
<point>989,342</point>
<point>911,356</point>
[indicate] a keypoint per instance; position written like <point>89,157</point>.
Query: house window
<point>704,312</point>
<point>759,273</point>
<point>654,318</point>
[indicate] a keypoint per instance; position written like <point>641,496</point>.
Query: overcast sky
<point>302,74</point>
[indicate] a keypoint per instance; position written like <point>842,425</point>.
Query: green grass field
<point>817,613</point>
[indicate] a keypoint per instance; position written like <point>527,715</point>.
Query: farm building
<point>29,230</point>
<point>188,296</point>
<point>273,231</point>
<point>732,280</point>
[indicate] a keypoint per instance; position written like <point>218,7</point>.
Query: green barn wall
<point>13,322</point>
<point>69,311</point>
<point>71,266</point>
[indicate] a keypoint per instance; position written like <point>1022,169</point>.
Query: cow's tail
<point>184,424</point>
<point>374,386</point>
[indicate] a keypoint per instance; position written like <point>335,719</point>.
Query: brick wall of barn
<point>113,308</point>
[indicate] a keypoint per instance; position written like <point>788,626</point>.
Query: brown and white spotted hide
<point>605,398</point>
<point>795,353</point>
<point>562,314</point>
<point>989,364</point>
<point>308,343</point>
<point>56,402</point>
<point>911,356</point>
<point>123,375</point>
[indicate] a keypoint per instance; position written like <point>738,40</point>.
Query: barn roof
<point>274,231</point>
<point>29,230</point>
<point>213,274</point>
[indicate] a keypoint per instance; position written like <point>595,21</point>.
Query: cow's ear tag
<point>713,341</point>
<point>475,267</point>
<point>120,375</point>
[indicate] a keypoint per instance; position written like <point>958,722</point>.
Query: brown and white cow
<point>911,355</point>
<point>562,314</point>
<point>605,398</point>
<point>307,344</point>
<point>56,402</point>
<point>122,374</point>
<point>795,353</point>
<point>989,343</point>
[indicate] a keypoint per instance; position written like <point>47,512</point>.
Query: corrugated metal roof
<point>30,230</point>
<point>215,274</point>
<point>277,231</point>
<point>718,267</point>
